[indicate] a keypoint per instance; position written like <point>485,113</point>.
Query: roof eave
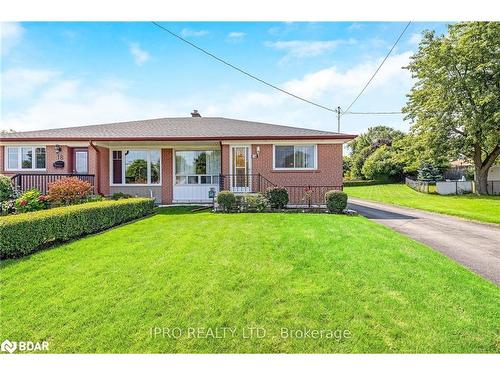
<point>225,138</point>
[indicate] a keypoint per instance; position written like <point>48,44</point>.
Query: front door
<point>240,169</point>
<point>80,161</point>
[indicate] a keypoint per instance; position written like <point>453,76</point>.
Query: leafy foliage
<point>253,203</point>
<point>120,195</point>
<point>429,172</point>
<point>26,233</point>
<point>6,190</point>
<point>30,201</point>
<point>69,190</point>
<point>381,165</point>
<point>277,197</point>
<point>454,104</point>
<point>336,201</point>
<point>226,200</point>
<point>363,146</point>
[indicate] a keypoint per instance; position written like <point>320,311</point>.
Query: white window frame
<point>315,146</point>
<point>174,170</point>
<point>148,159</point>
<point>19,158</point>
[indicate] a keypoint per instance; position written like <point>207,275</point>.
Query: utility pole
<point>338,119</point>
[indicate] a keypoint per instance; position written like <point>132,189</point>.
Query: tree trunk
<point>483,167</point>
<point>482,180</point>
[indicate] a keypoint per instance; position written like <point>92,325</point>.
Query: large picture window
<point>295,157</point>
<point>25,158</point>
<point>136,167</point>
<point>197,167</point>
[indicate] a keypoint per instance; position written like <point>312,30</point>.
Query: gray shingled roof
<point>177,128</point>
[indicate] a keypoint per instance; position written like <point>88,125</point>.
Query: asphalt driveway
<point>475,245</point>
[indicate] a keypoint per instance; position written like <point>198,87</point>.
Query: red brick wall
<point>167,175</point>
<point>99,166</point>
<point>2,161</point>
<point>328,172</point>
<point>51,157</point>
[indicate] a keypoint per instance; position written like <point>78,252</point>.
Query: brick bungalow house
<point>178,160</point>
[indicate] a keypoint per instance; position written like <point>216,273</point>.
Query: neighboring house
<point>178,160</point>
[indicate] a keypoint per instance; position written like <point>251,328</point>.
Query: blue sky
<point>66,74</point>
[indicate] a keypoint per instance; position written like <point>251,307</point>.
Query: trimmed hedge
<point>226,200</point>
<point>351,183</point>
<point>277,197</point>
<point>26,233</point>
<point>336,201</point>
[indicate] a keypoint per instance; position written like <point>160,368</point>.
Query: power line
<point>372,113</point>
<point>380,66</point>
<point>241,70</point>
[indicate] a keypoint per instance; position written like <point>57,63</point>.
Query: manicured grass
<point>106,292</point>
<point>473,207</point>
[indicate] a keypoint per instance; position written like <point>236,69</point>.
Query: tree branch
<point>490,159</point>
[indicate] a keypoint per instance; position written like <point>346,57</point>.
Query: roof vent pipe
<point>195,113</point>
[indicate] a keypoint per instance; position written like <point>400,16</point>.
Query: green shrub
<point>253,203</point>
<point>30,201</point>
<point>277,197</point>
<point>226,200</point>
<point>363,182</point>
<point>336,201</point>
<point>6,190</point>
<point>26,233</point>
<point>120,195</point>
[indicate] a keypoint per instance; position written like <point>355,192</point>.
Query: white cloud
<point>302,48</point>
<point>140,56</point>
<point>355,26</point>
<point>21,82</point>
<point>235,36</point>
<point>70,102</point>
<point>186,33</point>
<point>415,38</point>
<point>11,34</point>
<point>331,87</point>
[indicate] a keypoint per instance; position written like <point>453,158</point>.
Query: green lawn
<point>179,269</point>
<point>481,208</point>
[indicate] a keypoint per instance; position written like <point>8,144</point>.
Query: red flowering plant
<point>30,200</point>
<point>69,190</point>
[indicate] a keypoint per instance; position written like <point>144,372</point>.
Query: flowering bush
<point>6,190</point>
<point>69,190</point>
<point>30,201</point>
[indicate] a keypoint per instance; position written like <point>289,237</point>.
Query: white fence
<point>451,187</point>
<point>454,187</point>
<point>421,186</point>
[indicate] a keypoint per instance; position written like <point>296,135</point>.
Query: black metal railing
<point>244,183</point>
<point>40,181</point>
<point>298,195</point>
<point>308,196</point>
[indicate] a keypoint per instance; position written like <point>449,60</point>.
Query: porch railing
<point>308,196</point>
<point>40,181</point>
<point>256,183</point>
<point>244,183</point>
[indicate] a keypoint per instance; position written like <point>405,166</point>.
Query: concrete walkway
<point>475,245</point>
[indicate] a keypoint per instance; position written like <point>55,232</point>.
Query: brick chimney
<point>195,113</point>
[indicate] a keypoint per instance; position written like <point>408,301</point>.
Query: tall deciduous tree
<point>455,102</point>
